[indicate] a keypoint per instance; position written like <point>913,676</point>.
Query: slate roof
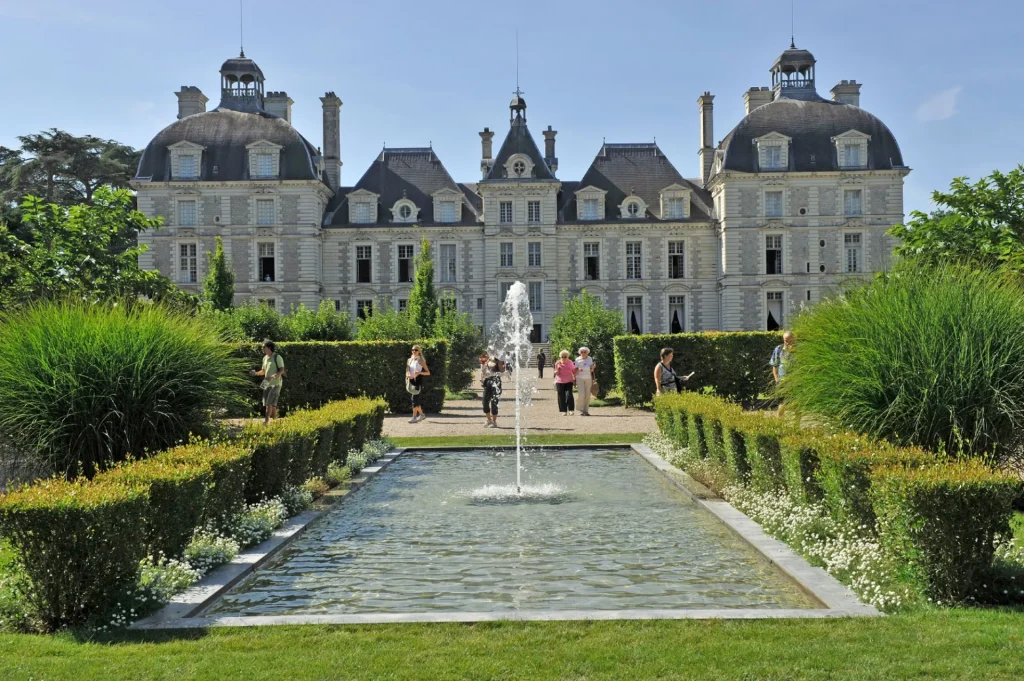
<point>640,169</point>
<point>811,125</point>
<point>225,134</point>
<point>411,173</point>
<point>520,141</point>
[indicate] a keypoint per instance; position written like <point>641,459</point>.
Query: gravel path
<point>465,417</point>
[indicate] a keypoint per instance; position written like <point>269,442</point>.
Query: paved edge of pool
<point>185,610</point>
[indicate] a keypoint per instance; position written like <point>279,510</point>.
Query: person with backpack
<point>666,380</point>
<point>273,373</point>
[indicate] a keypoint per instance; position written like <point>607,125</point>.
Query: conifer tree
<point>219,284</point>
<point>423,298</point>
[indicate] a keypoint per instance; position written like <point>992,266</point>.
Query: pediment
<point>362,194</point>
<point>186,146</point>
<point>590,190</point>
<point>675,187</point>
<point>446,192</point>
<point>263,144</point>
<point>776,283</point>
<point>772,137</point>
<point>853,135</point>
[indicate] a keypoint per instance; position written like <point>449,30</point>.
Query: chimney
<point>757,96</point>
<point>190,101</point>
<point>549,149</point>
<point>847,92</point>
<point>486,144</point>
<point>279,104</point>
<point>707,135</point>
<point>332,138</point>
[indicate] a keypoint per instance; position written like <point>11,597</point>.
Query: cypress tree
<point>219,284</point>
<point>423,298</point>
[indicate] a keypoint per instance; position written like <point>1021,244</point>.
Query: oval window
<point>633,209</point>
<point>404,212</point>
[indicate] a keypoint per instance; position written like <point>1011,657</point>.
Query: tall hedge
<point>322,372</point>
<point>733,364</point>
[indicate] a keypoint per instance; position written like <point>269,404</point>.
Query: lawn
<point>510,439</point>
<point>934,645</point>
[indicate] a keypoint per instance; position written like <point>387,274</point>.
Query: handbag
<point>411,387</point>
<point>594,388</point>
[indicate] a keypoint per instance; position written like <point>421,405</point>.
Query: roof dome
<point>811,125</point>
<point>240,66</point>
<point>794,59</point>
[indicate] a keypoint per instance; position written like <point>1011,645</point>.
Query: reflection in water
<point>603,530</point>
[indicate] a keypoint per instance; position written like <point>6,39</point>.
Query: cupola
<point>793,75</point>
<point>241,85</point>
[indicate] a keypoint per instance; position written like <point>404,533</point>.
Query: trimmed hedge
<point>80,544</point>
<point>943,520</point>
<point>229,465</point>
<point>323,372</point>
<point>762,435</point>
<point>799,452</point>
<point>732,364</point>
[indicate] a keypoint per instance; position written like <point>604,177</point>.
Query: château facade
<point>792,203</point>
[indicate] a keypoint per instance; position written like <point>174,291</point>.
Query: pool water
<point>601,530</point>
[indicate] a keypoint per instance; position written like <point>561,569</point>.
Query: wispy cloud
<point>940,106</point>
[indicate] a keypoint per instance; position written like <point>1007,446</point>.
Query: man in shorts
<point>273,373</point>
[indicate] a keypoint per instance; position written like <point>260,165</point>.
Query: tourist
<point>490,378</point>
<point>665,378</point>
<point>780,356</point>
<point>565,377</point>
<point>273,373</point>
<point>415,369</point>
<point>541,361</point>
<point>586,370</point>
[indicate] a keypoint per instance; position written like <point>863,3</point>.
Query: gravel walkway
<point>465,417</point>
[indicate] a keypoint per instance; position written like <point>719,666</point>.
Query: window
<point>773,254</point>
<point>592,261</point>
<point>635,314</point>
<point>536,295</point>
<point>773,158</point>
<point>404,212</point>
<point>186,213</point>
<point>774,318</point>
<point>503,288</point>
<point>364,266</point>
<point>267,262</point>
<point>676,259</point>
<point>268,302</point>
<point>189,268</point>
<point>506,212</point>
<point>337,306</point>
<point>506,254</point>
<point>448,265</point>
<point>403,304</point>
<point>590,207</point>
<point>773,204</point>
<point>363,212</point>
<point>851,202</point>
<point>264,212</point>
<point>364,309</point>
<point>448,303</point>
<point>519,168</point>
<point>479,303</point>
<point>676,208</point>
<point>264,165</point>
<point>633,258</point>
<point>405,261</point>
<point>448,211</point>
<point>853,253</point>
<point>187,167</point>
<point>677,314</point>
<point>533,211</point>
<point>851,156</point>
<point>533,253</point>
<point>633,209</point>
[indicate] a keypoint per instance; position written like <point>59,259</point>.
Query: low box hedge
<point>799,453</point>
<point>762,434</point>
<point>732,364</point>
<point>323,372</point>
<point>941,521</point>
<point>229,465</point>
<point>79,542</point>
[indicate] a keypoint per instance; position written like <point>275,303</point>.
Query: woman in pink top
<point>565,379</point>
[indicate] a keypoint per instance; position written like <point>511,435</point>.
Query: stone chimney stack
<point>757,96</point>
<point>332,138</point>
<point>486,148</point>
<point>549,149</point>
<point>279,104</point>
<point>190,101</point>
<point>847,92</point>
<point>707,135</point>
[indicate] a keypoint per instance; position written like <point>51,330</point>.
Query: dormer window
<point>187,167</point>
<point>519,168</point>
<point>773,152</point>
<point>773,157</point>
<point>362,212</point>
<point>852,149</point>
<point>264,165</point>
<point>633,207</point>
<point>404,210</point>
<point>362,207</point>
<point>590,203</point>
<point>520,165</point>
<point>264,159</point>
<point>675,202</point>
<point>185,160</point>
<point>590,209</point>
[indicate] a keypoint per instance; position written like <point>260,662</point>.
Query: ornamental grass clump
<point>87,386</point>
<point>928,356</point>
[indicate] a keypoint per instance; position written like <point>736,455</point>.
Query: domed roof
<point>225,134</point>
<point>811,124</point>
<point>517,103</point>
<point>794,58</point>
<point>241,65</point>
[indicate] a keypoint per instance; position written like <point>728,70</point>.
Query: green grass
<point>461,395</point>
<point>930,645</point>
<point>510,438</point>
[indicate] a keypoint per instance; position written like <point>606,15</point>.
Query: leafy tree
<point>981,223</point>
<point>219,284</point>
<point>584,321</point>
<point>388,324</point>
<point>423,298</point>
<point>255,322</point>
<point>325,324</point>
<point>465,343</point>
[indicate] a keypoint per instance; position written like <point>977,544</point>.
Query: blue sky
<point>945,76</point>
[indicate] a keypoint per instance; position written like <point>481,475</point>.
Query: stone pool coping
<point>185,610</point>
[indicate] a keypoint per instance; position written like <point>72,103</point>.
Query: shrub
<point>356,462</point>
<point>584,321</point>
<point>271,460</point>
<point>317,487</point>
<point>296,499</point>
<point>177,494</point>
<point>88,386</point>
<point>928,357</point>
<point>257,322</point>
<point>735,446</point>
<point>258,522</point>
<point>79,543</point>
<point>733,365</point>
<point>799,453</point>
<point>229,464</point>
<point>319,373</point>
<point>388,324</point>
<point>161,577</point>
<point>338,473</point>
<point>464,346</point>
<point>208,550</point>
<point>942,522</point>
<point>325,324</point>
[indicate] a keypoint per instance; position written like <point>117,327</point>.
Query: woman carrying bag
<point>666,380</point>
<point>415,369</point>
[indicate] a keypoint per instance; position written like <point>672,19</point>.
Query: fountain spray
<point>510,339</point>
